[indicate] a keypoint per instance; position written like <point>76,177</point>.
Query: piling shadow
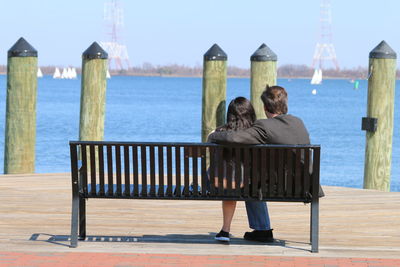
<point>63,240</point>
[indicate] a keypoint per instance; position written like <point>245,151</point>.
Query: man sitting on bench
<point>278,128</point>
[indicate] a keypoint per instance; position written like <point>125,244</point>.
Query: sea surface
<point>169,109</point>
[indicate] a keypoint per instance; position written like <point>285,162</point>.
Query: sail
<point>108,75</point>
<point>74,75</point>
<point>317,77</point>
<point>39,73</point>
<point>64,74</point>
<point>57,74</point>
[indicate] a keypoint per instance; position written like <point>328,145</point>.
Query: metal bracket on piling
<point>369,124</point>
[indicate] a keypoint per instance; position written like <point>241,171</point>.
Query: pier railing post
<point>93,93</point>
<point>20,130</point>
<point>379,120</point>
<point>214,90</point>
<point>263,72</point>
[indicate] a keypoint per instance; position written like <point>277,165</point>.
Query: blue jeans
<point>257,214</point>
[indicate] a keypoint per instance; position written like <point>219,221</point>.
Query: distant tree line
<point>284,71</point>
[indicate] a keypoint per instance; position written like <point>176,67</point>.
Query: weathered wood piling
<point>262,72</point>
<point>214,90</point>
<point>379,120</point>
<point>20,130</point>
<point>93,93</point>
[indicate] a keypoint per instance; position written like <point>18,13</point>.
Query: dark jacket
<point>282,129</point>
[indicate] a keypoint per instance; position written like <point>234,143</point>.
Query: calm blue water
<point>169,109</point>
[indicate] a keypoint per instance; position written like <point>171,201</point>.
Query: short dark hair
<point>275,99</point>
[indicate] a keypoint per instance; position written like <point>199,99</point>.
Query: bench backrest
<point>184,170</point>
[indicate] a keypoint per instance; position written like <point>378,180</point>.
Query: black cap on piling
<point>95,52</point>
<point>22,49</point>
<point>382,50</point>
<point>264,53</point>
<point>215,53</point>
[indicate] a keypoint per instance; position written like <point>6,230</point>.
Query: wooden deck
<point>35,217</point>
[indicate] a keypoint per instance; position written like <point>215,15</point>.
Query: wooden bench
<point>132,170</point>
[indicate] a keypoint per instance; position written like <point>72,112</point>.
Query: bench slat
<point>110,170</point>
<point>298,174</point>
<point>289,168</point>
<point>272,173</point>
<point>160,151</point>
<point>92,160</point>
<point>83,171</point>
<point>281,171</point>
<point>152,172</point>
<point>238,170</point>
<point>186,172</point>
<point>135,166</point>
<point>204,177</point>
<point>246,167</point>
<point>169,170</point>
<point>118,169</point>
<point>195,173</point>
<point>143,152</point>
<point>101,169</point>
<point>306,173</point>
<point>178,170</point>
<point>127,174</point>
<point>212,170</point>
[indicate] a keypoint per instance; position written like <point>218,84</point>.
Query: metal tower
<point>324,50</point>
<point>118,58</point>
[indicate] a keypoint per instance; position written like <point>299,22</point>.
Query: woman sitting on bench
<point>240,115</point>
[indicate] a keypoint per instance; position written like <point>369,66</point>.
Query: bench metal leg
<point>314,226</point>
<point>74,221</point>
<point>82,218</point>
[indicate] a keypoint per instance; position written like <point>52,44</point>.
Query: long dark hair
<point>240,115</point>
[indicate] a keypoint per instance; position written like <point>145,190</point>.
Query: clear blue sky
<point>181,31</point>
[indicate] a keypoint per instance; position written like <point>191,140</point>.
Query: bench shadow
<point>63,240</point>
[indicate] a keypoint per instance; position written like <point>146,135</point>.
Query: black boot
<point>260,236</point>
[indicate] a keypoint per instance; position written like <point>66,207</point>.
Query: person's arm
<point>253,135</point>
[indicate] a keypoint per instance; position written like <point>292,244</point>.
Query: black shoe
<point>222,236</point>
<point>260,236</point>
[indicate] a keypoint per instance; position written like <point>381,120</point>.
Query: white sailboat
<point>108,75</point>
<point>64,74</point>
<point>57,74</point>
<point>39,73</point>
<point>317,77</point>
<point>74,75</point>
